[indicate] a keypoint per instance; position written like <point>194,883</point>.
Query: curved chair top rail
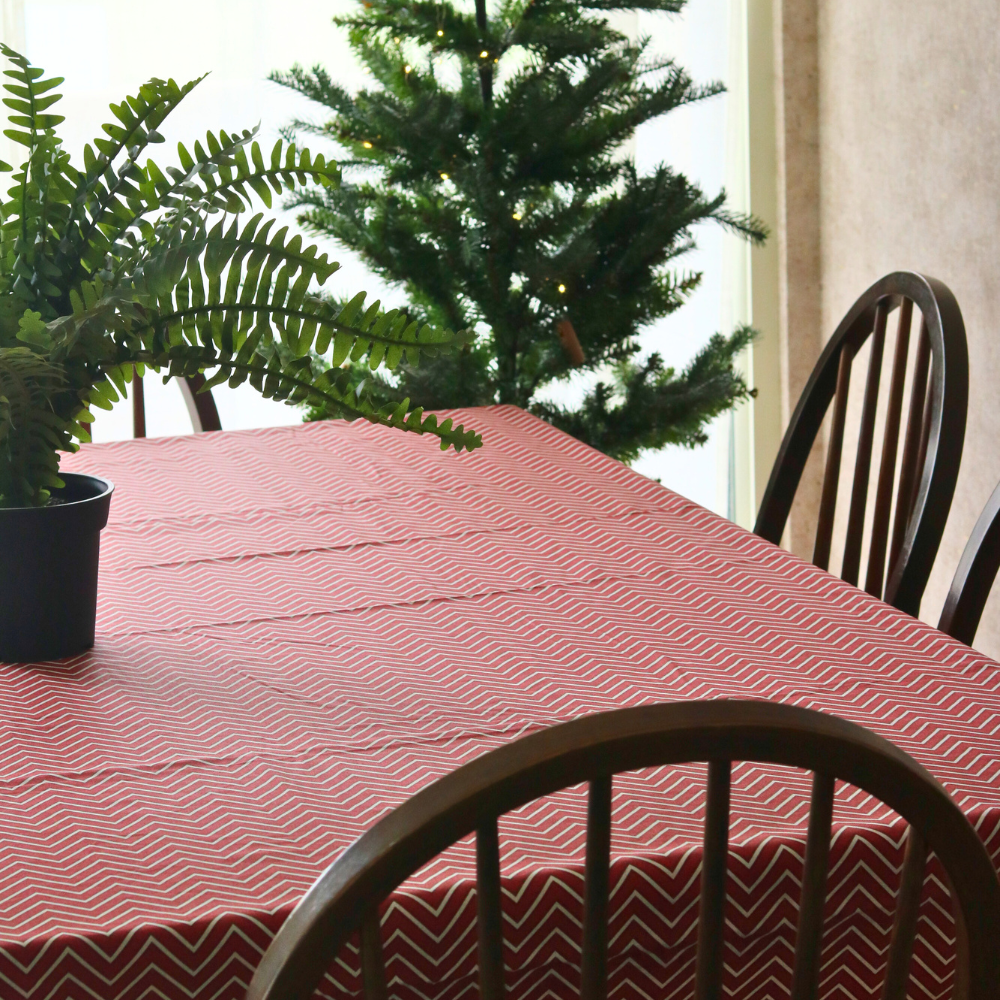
<point>914,550</point>
<point>598,746</point>
<point>973,580</point>
<point>200,405</point>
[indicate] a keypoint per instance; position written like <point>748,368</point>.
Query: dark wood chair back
<point>200,405</point>
<point>973,580</point>
<point>932,446</point>
<point>593,749</point>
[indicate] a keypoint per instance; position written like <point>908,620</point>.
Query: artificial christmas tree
<point>483,174</point>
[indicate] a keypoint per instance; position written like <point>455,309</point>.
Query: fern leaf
<point>29,433</point>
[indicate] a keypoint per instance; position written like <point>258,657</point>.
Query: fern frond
<point>30,432</point>
<point>104,192</point>
<point>225,179</point>
<point>237,339</point>
<point>221,179</point>
<point>294,380</point>
<point>30,100</point>
<point>224,285</point>
<point>33,217</point>
<point>117,267</point>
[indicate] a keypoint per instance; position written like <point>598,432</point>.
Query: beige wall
<point>796,58</point>
<point>898,149</point>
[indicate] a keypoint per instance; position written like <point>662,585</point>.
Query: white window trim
<point>750,275</point>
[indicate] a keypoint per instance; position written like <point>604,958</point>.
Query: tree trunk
<point>485,70</point>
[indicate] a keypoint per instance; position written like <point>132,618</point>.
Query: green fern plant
<point>121,266</point>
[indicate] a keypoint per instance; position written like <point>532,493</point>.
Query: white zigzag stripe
<point>301,627</point>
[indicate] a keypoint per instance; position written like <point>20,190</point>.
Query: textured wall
<point>800,269</point>
<point>909,139</point>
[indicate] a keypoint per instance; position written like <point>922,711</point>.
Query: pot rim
<point>105,485</point>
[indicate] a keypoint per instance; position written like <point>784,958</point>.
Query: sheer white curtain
<point>692,140</point>
<point>749,437</point>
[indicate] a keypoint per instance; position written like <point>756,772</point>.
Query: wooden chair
<point>973,580</point>
<point>593,749</point>
<point>932,447</point>
<point>200,405</point>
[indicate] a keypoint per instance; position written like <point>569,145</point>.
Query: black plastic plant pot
<point>48,571</point>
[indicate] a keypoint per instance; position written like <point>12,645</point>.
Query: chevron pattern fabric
<point>282,657</point>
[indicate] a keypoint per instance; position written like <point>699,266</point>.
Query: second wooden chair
<point>903,534</point>
<point>973,580</point>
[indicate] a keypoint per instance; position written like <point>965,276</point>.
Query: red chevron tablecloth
<point>300,627</point>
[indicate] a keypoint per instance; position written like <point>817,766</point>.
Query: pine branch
<point>649,406</point>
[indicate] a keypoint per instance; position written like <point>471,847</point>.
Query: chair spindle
<point>489,917</point>
<point>925,433</point>
<point>372,962</point>
<point>890,445</point>
<point>594,978</point>
<point>960,986</point>
<point>808,946</point>
<point>911,445</point>
<point>711,918</point>
<point>831,476</point>
<point>904,931</point>
<point>862,465</point>
<point>138,406</point>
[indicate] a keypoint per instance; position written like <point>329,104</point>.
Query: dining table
<point>300,627</point>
